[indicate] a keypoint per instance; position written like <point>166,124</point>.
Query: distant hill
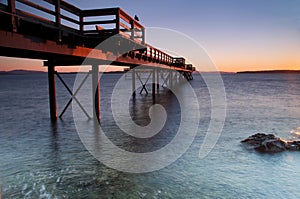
<point>273,71</point>
<point>27,72</point>
<point>20,72</point>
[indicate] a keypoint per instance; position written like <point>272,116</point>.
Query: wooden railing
<point>57,13</point>
<point>159,56</point>
<point>128,25</point>
<point>121,21</point>
<point>67,19</point>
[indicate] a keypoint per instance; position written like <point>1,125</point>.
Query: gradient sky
<point>238,35</point>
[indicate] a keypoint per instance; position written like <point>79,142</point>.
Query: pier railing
<point>117,22</point>
<point>158,56</point>
<point>63,22</point>
<point>68,18</point>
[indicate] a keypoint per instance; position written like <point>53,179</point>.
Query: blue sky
<point>237,34</point>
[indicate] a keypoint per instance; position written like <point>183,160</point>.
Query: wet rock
<point>269,143</point>
<point>293,146</point>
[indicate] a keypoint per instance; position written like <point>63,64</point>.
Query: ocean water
<point>40,159</point>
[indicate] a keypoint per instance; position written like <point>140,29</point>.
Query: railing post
<point>58,19</point>
<point>81,21</point>
<point>143,36</point>
<point>132,29</point>
<point>160,56</point>
<point>12,8</point>
<point>118,21</point>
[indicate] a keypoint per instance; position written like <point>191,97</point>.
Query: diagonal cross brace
<point>73,96</point>
<point>144,84</point>
<point>165,79</point>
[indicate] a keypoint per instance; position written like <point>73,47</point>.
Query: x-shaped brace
<point>73,96</point>
<point>165,79</point>
<point>144,84</point>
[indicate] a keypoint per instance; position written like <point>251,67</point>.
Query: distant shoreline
<point>29,72</point>
<point>272,72</point>
<point>25,72</point>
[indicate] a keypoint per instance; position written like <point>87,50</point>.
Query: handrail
<point>66,6</point>
<point>129,19</point>
<point>122,21</point>
<point>159,55</point>
<point>38,7</point>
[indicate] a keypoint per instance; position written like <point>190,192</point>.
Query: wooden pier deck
<point>64,35</point>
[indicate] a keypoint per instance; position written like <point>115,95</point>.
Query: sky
<point>238,35</point>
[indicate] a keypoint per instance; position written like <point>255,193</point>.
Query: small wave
<point>295,133</point>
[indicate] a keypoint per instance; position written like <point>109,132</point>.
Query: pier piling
<point>52,92</point>
<point>153,84</point>
<point>133,82</point>
<point>96,92</point>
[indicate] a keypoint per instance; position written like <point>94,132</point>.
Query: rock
<point>268,143</point>
<point>293,146</point>
<point>272,146</point>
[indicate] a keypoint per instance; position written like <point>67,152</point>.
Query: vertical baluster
<point>12,8</point>
<point>58,19</point>
<point>118,21</point>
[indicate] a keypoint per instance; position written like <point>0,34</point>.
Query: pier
<point>65,35</point>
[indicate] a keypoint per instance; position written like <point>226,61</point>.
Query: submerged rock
<point>269,143</point>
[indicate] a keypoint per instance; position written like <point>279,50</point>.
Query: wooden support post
<point>133,82</point>
<point>143,36</point>
<point>52,92</point>
<point>96,92</point>
<point>157,79</point>
<point>153,84</point>
<point>171,79</point>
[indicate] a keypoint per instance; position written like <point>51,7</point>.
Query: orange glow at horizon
<point>9,64</point>
<point>224,65</point>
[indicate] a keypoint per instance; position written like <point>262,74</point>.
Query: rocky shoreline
<point>269,143</point>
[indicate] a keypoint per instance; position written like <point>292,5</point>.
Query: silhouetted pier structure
<point>65,35</point>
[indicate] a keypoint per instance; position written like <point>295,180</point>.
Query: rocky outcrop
<point>268,143</point>
<point>293,145</point>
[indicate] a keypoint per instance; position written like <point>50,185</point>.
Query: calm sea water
<point>44,160</point>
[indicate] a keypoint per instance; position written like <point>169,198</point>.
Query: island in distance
<point>272,72</point>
